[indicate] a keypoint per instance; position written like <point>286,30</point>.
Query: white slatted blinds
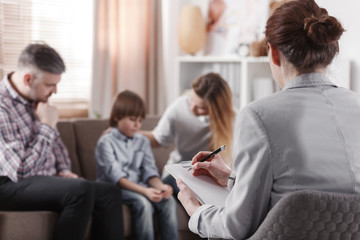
<point>66,25</point>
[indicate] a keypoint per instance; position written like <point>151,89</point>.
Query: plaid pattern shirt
<point>27,146</point>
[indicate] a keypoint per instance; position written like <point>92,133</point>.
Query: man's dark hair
<point>42,57</point>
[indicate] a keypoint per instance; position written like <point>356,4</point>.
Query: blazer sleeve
<point>248,201</point>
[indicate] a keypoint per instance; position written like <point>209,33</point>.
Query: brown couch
<point>80,137</point>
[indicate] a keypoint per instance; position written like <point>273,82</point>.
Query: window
<point>67,26</point>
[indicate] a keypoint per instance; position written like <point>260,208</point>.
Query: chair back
<point>311,215</point>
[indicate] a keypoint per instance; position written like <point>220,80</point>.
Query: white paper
<point>206,190</point>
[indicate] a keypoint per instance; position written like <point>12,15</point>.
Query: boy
<point>124,157</point>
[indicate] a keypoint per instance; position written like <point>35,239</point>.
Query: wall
<point>347,11</point>
<point>170,13</point>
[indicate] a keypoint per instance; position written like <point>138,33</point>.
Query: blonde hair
<point>215,91</point>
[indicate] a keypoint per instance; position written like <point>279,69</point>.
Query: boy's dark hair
<point>127,103</point>
<point>42,57</point>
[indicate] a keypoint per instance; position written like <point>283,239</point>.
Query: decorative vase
<point>258,48</point>
<point>192,29</point>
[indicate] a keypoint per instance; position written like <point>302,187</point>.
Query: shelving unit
<point>239,72</point>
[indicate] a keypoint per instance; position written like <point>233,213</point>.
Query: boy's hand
<point>167,191</point>
<point>153,194</point>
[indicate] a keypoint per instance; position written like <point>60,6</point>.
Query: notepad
<point>206,190</point>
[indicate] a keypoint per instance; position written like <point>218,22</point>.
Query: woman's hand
<point>106,131</point>
<point>187,198</point>
<point>215,168</point>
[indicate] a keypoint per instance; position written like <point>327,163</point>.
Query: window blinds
<point>66,25</point>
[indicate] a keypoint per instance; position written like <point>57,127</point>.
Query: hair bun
<point>323,31</point>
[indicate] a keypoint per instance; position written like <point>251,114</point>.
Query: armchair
<point>311,215</point>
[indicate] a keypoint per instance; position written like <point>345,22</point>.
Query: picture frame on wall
<point>233,24</point>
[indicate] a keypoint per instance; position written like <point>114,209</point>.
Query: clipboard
<point>207,191</point>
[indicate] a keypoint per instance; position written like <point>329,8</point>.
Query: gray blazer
<point>306,136</point>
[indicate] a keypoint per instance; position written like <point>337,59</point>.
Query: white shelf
<point>211,59</point>
<point>238,71</point>
<point>249,78</point>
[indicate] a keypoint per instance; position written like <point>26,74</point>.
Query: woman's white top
<point>306,136</point>
<point>190,133</point>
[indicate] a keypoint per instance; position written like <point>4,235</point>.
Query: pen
<point>211,155</point>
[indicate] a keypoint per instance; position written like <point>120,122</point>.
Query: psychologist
<point>306,136</point>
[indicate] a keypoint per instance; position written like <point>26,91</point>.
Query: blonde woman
<point>202,119</point>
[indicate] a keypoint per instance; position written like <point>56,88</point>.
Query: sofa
<point>80,137</point>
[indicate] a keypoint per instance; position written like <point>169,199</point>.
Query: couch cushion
<point>27,225</point>
<point>66,131</point>
<point>87,133</point>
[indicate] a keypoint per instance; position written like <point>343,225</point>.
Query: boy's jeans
<point>142,210</point>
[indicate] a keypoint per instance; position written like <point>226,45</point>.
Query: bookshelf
<point>247,76</point>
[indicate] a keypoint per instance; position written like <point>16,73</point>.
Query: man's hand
<point>68,174</point>
<point>187,198</point>
<point>47,114</point>
<point>215,168</point>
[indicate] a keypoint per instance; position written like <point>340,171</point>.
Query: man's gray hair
<point>42,57</point>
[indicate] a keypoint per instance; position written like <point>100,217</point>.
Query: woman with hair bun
<point>306,136</point>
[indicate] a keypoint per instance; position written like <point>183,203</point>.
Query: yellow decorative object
<point>192,29</point>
